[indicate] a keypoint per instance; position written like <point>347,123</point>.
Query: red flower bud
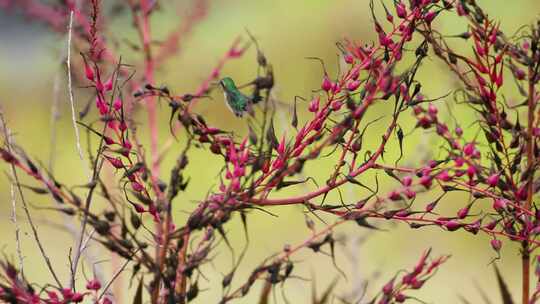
<point>493,180</point>
<point>314,104</point>
<point>406,181</point>
<point>463,212</point>
<point>444,176</point>
<point>353,85</point>
<point>469,149</point>
<point>388,287</point>
<point>89,72</point>
<point>452,225</point>
<point>499,204</point>
<point>117,104</point>
<point>108,84</point>
<point>93,285</point>
<point>137,186</point>
<point>401,10</point>
<point>496,244</point>
<point>116,162</point>
<point>326,84</point>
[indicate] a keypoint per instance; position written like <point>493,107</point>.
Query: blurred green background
<point>288,31</point>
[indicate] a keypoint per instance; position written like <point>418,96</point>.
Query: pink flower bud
<point>444,176</point>
<point>426,181</point>
<point>493,180</point>
<point>67,293</point>
<point>278,163</point>
<point>394,195</point>
<point>93,285</point>
<point>388,287</point>
<point>336,88</point>
<point>107,301</point>
<point>522,193</point>
<point>113,124</point>
<point>314,104</point>
<point>452,225</point>
<point>409,193</point>
<point>281,146</point>
<point>122,126</point>
<point>89,72</point>
<point>406,181</point>
<point>355,74</point>
<point>459,131</point>
<point>496,244</point>
<point>491,225</point>
<point>326,84</point>
<point>245,156</point>
<point>471,171</point>
<point>101,105</point>
<point>99,86</point>
<point>390,18</point>
<point>108,141</point>
<point>469,149</point>
<point>400,298</point>
<point>233,157</point>
<point>353,85</point>
<point>401,11</point>
<point>520,74</point>
<point>336,105</point>
<point>77,297</point>
<point>428,18</point>
<point>348,58</point>
<point>432,109</point>
<point>499,204</point>
<point>138,208</point>
<point>417,284</point>
<point>117,104</point>
<point>463,212</point>
<point>235,184</point>
<point>137,186</point>
<point>239,171</point>
<point>108,84</point>
<point>116,162</point>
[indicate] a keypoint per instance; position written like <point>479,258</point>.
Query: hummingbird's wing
<point>236,102</point>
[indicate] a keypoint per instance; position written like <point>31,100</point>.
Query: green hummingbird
<point>237,102</point>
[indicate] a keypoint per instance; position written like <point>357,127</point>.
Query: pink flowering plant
<point>494,161</point>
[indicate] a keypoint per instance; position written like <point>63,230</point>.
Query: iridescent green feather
<point>237,102</point>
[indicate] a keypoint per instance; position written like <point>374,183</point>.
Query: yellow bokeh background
<point>288,32</point>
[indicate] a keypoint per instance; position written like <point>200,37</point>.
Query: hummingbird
<point>237,102</point>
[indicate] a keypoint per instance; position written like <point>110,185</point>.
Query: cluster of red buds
<point>16,290</point>
<point>495,166</point>
<point>394,291</point>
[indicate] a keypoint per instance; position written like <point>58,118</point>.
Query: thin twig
<point>70,88</point>
<point>115,276</point>
<point>25,206</point>
<point>96,168</point>
<point>13,216</point>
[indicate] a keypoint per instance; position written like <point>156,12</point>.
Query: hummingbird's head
<point>227,83</point>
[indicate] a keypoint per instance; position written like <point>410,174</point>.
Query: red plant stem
<point>525,253</point>
<point>149,78</point>
<point>286,254</point>
<point>302,198</point>
<point>180,283</point>
<point>142,22</point>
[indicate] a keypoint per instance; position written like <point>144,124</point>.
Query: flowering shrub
<point>496,166</point>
